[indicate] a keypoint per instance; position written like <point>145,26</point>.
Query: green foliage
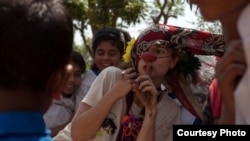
<point>77,8</point>
<point>161,11</point>
<point>103,13</point>
<point>84,53</point>
<point>95,14</point>
<point>78,49</point>
<point>213,27</point>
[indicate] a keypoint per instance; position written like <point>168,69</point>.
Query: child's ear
<point>57,81</point>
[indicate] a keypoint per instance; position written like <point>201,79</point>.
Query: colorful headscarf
<point>188,41</point>
<point>178,38</point>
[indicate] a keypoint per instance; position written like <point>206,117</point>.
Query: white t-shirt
<point>242,92</point>
<point>168,111</point>
<point>65,134</point>
<point>86,83</point>
<point>60,112</point>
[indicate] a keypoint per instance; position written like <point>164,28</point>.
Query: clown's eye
<point>159,51</point>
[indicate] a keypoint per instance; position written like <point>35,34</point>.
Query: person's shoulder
<point>169,102</point>
<point>169,105</point>
<point>89,74</point>
<point>112,70</point>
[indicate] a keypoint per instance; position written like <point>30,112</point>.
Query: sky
<point>182,21</point>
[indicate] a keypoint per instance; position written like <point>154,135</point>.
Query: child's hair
<point>36,39</point>
<point>77,58</point>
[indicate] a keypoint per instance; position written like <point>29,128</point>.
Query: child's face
<point>106,55</point>
<point>217,9</point>
<point>159,68</point>
<point>74,80</point>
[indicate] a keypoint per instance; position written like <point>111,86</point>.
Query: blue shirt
<point>23,126</point>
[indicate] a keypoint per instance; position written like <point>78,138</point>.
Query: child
<point>36,39</point>
<point>232,65</point>
<point>108,46</point>
<point>62,110</point>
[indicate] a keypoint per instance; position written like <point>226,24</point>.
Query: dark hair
<point>36,39</point>
<point>118,37</point>
<point>77,58</point>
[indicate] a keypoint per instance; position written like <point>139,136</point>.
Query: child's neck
<point>23,100</point>
<point>67,95</point>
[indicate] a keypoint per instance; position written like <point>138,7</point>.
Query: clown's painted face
<point>158,68</point>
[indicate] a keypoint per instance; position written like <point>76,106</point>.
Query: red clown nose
<point>148,57</point>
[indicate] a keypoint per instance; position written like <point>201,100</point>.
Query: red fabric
<point>178,91</point>
<point>179,38</point>
<point>215,99</point>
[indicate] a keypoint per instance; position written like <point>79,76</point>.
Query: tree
<point>91,15</point>
<point>213,27</point>
<point>162,10</point>
<point>96,14</point>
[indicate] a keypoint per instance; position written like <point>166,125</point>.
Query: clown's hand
<point>146,92</point>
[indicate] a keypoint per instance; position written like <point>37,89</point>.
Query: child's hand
<point>124,85</point>
<point>128,76</point>
<point>229,71</point>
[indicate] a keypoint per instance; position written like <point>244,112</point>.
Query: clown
<point>134,102</point>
